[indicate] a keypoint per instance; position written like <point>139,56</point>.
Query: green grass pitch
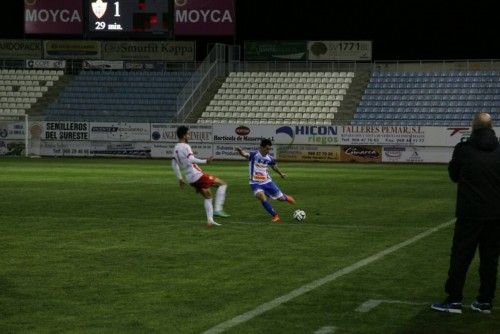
<point>113,246</point>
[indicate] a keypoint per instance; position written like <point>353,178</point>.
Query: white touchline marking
<point>326,330</point>
<point>372,303</point>
<point>368,305</point>
<point>319,282</point>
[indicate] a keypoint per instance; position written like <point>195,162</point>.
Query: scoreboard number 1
<point>117,9</point>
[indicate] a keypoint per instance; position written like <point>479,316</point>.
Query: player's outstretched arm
<point>242,152</point>
<point>194,160</point>
<point>277,170</point>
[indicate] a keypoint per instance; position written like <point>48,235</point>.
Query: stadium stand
<point>20,89</point>
<point>433,98</point>
<point>278,98</point>
<point>119,96</point>
<point>426,98</point>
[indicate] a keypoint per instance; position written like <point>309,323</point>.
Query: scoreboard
<point>129,18</point>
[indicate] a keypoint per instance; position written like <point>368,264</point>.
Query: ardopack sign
<point>62,17</point>
<point>20,49</point>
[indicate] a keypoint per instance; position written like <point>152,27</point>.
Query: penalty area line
<point>319,282</point>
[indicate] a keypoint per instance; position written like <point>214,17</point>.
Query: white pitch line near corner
<point>319,282</point>
<point>326,330</point>
<point>373,303</point>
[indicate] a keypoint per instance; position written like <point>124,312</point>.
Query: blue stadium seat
<point>430,98</point>
<point>120,96</point>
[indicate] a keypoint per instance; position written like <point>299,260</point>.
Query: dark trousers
<point>469,235</point>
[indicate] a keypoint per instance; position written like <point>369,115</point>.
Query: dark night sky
<point>399,29</point>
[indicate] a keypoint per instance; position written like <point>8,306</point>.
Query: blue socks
<point>269,208</point>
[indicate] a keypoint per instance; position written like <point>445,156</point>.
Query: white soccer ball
<point>299,215</point>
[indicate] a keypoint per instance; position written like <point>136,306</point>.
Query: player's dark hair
<point>265,142</point>
<point>181,131</point>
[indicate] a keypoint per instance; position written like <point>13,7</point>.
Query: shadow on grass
<point>8,290</point>
<point>11,299</point>
<point>430,321</point>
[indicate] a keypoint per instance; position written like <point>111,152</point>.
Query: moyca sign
<point>205,16</point>
<point>52,15</point>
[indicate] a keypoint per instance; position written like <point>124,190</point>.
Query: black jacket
<point>475,166</point>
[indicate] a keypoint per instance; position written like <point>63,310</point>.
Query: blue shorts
<point>269,189</point>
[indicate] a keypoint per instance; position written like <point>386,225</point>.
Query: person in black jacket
<point>475,167</point>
